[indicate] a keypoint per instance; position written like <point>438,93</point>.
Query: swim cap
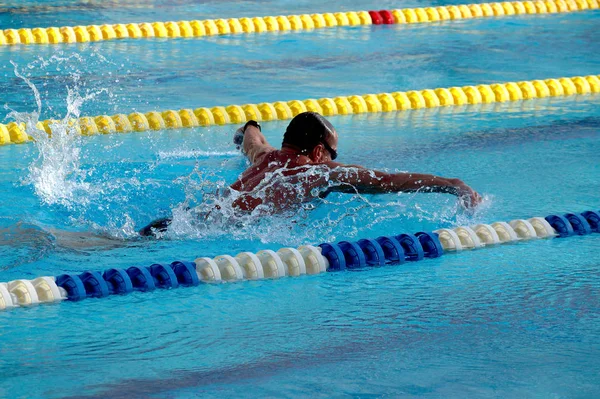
<point>307,130</point>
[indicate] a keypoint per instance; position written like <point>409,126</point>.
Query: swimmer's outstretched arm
<point>366,181</point>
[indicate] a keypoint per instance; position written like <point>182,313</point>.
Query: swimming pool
<point>517,320</point>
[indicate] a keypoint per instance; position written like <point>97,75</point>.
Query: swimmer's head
<point>312,135</point>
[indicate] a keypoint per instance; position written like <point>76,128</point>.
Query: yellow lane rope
<point>343,105</point>
<point>209,27</point>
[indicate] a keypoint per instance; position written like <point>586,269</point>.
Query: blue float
<point>95,286</point>
<point>580,225</point>
<point>353,253</point>
<point>413,250</point>
<point>373,252</point>
<point>394,253</point>
<point>185,272</point>
<point>431,244</point>
<point>118,281</point>
<point>141,279</point>
<point>334,256</point>
<point>340,256</point>
<point>593,218</point>
<point>164,276</point>
<point>73,285</point>
<point>561,225</point>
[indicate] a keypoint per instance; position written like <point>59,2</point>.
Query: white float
<point>251,265</point>
<point>313,259</point>
<point>542,227</point>
<point>229,267</point>
<point>293,261</point>
<point>523,228</point>
<point>272,264</point>
<point>23,291</point>
<point>449,239</point>
<point>486,233</point>
<point>47,290</point>
<point>6,300</point>
<point>207,269</point>
<point>468,238</point>
<point>505,232</point>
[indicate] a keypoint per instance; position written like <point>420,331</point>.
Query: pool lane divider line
<point>292,262</point>
<point>14,133</point>
<point>210,27</point>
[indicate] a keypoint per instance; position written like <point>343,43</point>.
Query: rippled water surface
<point>28,13</point>
<point>516,320</point>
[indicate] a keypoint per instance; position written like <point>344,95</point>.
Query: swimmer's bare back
<point>280,181</point>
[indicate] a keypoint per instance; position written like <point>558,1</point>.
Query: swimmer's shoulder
<point>267,157</point>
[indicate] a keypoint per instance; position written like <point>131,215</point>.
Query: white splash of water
<point>56,174</point>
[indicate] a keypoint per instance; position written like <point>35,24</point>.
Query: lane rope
<point>282,110</point>
<point>210,27</point>
<point>292,262</point>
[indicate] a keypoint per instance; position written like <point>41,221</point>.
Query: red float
<point>386,17</point>
<point>376,18</point>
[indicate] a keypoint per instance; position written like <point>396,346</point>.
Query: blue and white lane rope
<point>291,262</point>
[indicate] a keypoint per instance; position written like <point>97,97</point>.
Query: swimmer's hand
<point>468,197</point>
<point>238,137</point>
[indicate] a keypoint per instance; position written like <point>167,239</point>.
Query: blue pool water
<point>511,321</point>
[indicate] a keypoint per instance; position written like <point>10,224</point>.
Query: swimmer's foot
<point>158,226</point>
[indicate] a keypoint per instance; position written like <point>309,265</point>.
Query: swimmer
<point>304,169</point>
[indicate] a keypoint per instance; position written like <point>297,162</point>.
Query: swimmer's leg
<point>85,240</point>
<point>254,143</point>
<point>44,240</point>
<point>23,243</point>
